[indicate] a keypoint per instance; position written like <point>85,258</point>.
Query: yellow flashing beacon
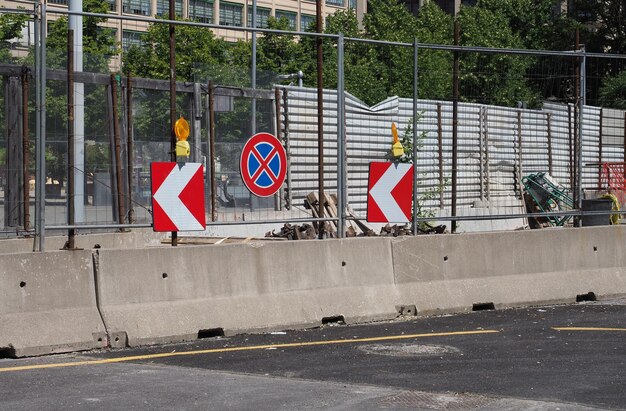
<point>181,129</point>
<point>396,149</point>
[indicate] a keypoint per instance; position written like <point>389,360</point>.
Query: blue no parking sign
<point>263,164</point>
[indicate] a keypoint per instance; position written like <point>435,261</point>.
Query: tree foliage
<point>613,92</point>
<point>11,26</point>
<point>492,78</point>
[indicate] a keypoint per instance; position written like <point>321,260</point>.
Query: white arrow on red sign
<point>390,192</point>
<point>178,197</point>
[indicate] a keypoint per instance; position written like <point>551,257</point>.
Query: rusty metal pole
<point>320,115</point>
<point>440,154</point>
<point>130,155</point>
<point>415,142</point>
<point>289,198</point>
<point>455,122</point>
<point>577,125</point>
<point>25,148</point>
<point>600,150</point>
<point>277,108</point>
<point>212,150</point>
<point>172,16</point>
<point>549,121</point>
<point>519,153</point>
<point>280,195</point>
<point>121,212</point>
<point>71,233</point>
<point>571,145</point>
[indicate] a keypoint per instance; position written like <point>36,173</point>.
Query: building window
<point>112,5</point>
<point>352,4</point>
<point>201,10</point>
<point>131,38</point>
<point>291,16</point>
<point>305,21</point>
<point>337,3</point>
<point>231,14</point>
<point>262,15</point>
<point>57,2</point>
<point>163,8</point>
<point>141,7</point>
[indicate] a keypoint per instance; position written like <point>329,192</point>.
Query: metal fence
<point>474,133</point>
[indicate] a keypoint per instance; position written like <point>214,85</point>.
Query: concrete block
<point>170,294</point>
<point>452,272</point>
<point>48,304</point>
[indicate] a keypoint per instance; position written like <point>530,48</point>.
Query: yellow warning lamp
<point>181,129</point>
<point>396,149</point>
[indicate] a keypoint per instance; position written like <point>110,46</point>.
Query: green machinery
<point>548,195</point>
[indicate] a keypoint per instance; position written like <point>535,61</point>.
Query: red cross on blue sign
<point>263,164</point>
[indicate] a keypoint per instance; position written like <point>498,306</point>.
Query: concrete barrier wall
<point>453,272</point>
<point>48,304</point>
<point>170,294</point>
<point>164,294</point>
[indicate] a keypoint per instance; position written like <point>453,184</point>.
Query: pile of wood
<point>395,230</point>
<point>330,210</point>
<point>354,226</point>
<point>295,232</point>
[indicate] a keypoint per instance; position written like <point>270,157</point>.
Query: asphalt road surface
<point>564,357</point>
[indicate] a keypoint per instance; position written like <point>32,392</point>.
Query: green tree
<point>613,92</point>
<point>536,22</point>
<point>365,76</point>
<point>602,31</point>
<point>98,47</point>
<point>278,53</point>
<point>392,21</point>
<point>198,53</point>
<point>11,25</point>
<point>200,56</point>
<point>492,78</point>
<point>603,22</point>
<point>434,26</point>
<point>98,42</point>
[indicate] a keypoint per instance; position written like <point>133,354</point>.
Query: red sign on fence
<point>390,191</point>
<point>177,197</point>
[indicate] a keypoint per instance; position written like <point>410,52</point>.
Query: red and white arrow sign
<point>178,197</point>
<point>390,191</point>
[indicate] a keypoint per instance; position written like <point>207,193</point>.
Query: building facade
<point>234,13</point>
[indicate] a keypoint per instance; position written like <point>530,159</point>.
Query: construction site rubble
<point>355,226</point>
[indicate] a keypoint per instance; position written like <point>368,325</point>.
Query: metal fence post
<point>320,117</point>
<point>40,131</point>
<point>341,134</point>
<point>579,144</point>
<point>415,91</point>
<point>172,37</point>
<point>25,149</point>
<point>253,71</point>
<point>130,152</point>
<point>71,149</point>
<point>455,124</point>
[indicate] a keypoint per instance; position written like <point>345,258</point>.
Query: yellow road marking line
<point>233,349</point>
<point>587,329</point>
